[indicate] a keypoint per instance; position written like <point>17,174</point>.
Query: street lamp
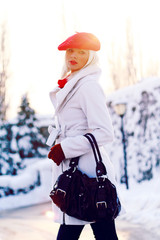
<point>120,109</point>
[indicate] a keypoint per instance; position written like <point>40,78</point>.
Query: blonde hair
<point>93,59</point>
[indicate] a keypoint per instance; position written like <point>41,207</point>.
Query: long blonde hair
<point>93,59</point>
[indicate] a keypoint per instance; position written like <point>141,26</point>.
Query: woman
<point>80,108</point>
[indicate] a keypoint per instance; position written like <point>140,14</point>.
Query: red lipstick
<point>73,62</point>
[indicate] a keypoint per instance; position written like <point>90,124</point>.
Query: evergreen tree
<point>29,140</point>
<point>10,162</point>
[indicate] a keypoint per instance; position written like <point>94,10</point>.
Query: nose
<point>74,55</point>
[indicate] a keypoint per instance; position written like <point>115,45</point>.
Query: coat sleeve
<point>93,104</point>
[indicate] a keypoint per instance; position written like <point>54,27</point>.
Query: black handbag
<point>85,198</point>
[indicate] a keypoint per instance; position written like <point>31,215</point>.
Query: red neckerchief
<point>62,82</point>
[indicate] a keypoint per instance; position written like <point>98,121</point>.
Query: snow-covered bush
<point>31,186</point>
<point>141,127</point>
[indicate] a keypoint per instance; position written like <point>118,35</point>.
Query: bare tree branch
<point>131,70</point>
<point>123,70</point>
<point>4,70</point>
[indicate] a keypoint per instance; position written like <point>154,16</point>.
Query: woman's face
<point>76,58</point>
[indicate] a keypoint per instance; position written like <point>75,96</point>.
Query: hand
<point>56,154</point>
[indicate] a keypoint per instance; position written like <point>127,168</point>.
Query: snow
<point>44,120</point>
<point>25,142</point>
<point>132,92</point>
<point>142,203</point>
<point>35,222</point>
<point>142,132</point>
<point>28,177</point>
<point>141,126</point>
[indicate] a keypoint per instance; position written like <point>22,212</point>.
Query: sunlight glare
<point>49,214</point>
<point>36,28</point>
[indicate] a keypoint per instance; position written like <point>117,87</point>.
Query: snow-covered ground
<point>142,202</point>
<point>24,180</point>
<point>35,223</point>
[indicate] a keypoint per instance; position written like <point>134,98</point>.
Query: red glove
<point>56,154</point>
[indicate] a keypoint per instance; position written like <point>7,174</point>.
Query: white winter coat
<point>80,107</point>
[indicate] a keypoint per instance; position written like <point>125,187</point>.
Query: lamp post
<point>120,109</point>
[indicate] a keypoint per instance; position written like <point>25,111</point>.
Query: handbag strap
<point>94,145</point>
<point>100,168</point>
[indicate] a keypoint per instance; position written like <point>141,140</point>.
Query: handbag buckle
<point>101,204</point>
<point>100,179</point>
<point>62,191</point>
<point>74,169</point>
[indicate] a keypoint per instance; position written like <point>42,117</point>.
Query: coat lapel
<point>60,97</point>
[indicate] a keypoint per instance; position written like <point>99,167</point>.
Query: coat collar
<point>59,97</point>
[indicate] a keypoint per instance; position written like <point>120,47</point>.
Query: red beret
<point>81,40</point>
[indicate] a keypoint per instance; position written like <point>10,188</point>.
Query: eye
<point>70,50</point>
<point>82,52</point>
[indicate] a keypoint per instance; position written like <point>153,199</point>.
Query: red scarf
<point>62,82</point>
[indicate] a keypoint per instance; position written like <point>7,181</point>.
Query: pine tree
<point>29,140</point>
<point>10,162</point>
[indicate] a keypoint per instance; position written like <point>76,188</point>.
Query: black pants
<point>102,231</point>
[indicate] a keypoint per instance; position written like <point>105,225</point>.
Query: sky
<point>37,27</point>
